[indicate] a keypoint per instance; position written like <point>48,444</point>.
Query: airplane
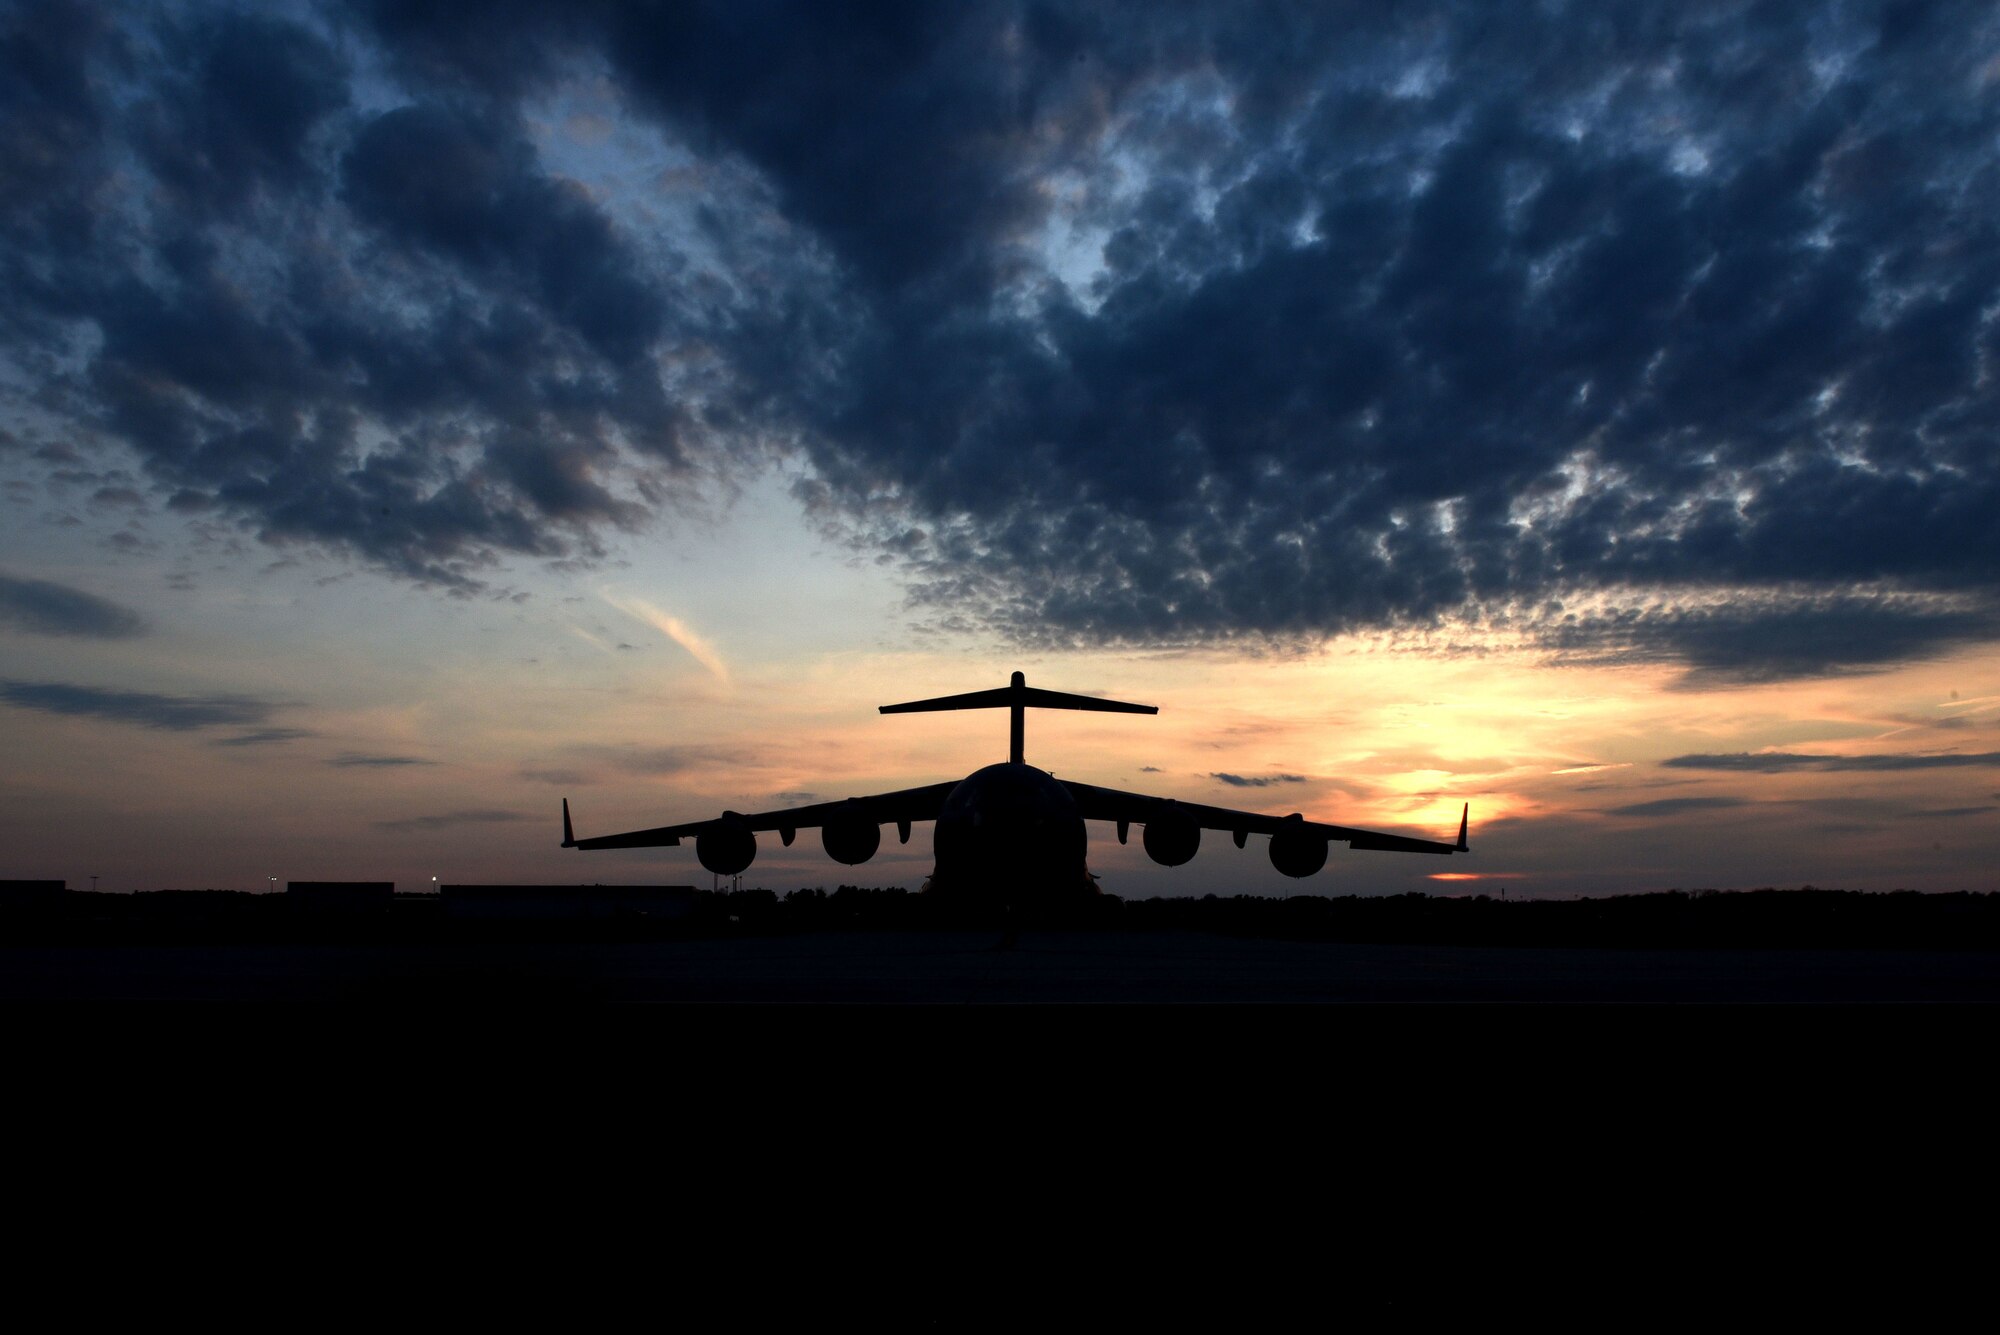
<point>1011,832</point>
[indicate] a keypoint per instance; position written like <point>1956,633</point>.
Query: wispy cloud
<point>353,760</point>
<point>1674,806</point>
<point>265,737</point>
<point>174,713</point>
<point>674,629</point>
<point>1945,813</point>
<point>565,778</point>
<point>448,819</point>
<point>56,609</point>
<point>676,759</point>
<point>1257,781</point>
<point>1784,762</point>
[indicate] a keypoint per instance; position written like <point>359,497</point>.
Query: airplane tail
<point>1016,695</point>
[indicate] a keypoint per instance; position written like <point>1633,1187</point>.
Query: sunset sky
<point>412,415</point>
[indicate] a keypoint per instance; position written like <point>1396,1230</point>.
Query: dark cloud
<point>1947,813</point>
<point>234,105</point>
<point>1257,781</point>
<point>1784,762</point>
<point>448,820</point>
<point>1760,638</point>
<point>466,188</point>
<point>352,759</point>
<point>1659,333</point>
<point>265,737</point>
<point>1674,806</point>
<point>795,799</point>
<point>175,713</point>
<point>48,608</point>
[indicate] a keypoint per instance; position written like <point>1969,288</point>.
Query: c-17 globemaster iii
<point>1010,832</point>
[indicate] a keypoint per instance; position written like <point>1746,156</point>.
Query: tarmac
<point>931,968</point>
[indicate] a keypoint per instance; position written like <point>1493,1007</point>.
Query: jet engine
<point>1171,838</point>
<point>725,850</point>
<point>1297,853</point>
<point>850,839</point>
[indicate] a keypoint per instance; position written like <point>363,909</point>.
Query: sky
<point>414,414</point>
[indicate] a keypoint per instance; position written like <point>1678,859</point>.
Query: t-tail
<point>1016,697</point>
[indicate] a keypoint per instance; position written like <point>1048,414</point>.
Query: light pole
<point>274,883</point>
<point>93,885</point>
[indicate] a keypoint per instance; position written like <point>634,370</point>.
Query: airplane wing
<point>898,808</point>
<point>1093,803</point>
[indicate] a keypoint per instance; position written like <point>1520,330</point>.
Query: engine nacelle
<point>850,841</point>
<point>725,850</point>
<point>1297,853</point>
<point>1171,838</point>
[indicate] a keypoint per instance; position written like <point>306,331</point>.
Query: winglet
<point>569,835</point>
<point>1463,817</point>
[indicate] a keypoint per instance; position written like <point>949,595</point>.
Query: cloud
<point>676,759</point>
<point>562,778</point>
<point>1674,806</point>
<point>56,609</point>
<point>1664,339</point>
<point>173,713</point>
<point>1785,762</point>
<point>352,759</point>
<point>448,820</point>
<point>265,737</point>
<point>1257,781</point>
<point>674,629</point>
<point>1750,639</point>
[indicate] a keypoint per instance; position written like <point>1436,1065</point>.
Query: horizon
<point>410,421</point>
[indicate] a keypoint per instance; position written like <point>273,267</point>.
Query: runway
<point>980,969</point>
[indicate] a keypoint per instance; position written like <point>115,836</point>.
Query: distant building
<point>22,894</point>
<point>489,902</point>
<point>342,896</point>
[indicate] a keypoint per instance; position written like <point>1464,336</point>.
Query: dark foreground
<point>980,967</point>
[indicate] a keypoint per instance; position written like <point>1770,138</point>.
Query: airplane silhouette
<point>1012,831</point>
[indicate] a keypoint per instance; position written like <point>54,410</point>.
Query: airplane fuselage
<point>1010,827</point>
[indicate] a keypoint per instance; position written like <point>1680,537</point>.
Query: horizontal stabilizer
<point>1020,695</point>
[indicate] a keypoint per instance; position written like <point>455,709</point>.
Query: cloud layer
<point>1663,332</point>
<point>48,608</point>
<point>174,713</point>
<point>1785,762</point>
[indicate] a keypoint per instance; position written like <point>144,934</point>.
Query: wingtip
<point>1464,817</point>
<point>569,835</point>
